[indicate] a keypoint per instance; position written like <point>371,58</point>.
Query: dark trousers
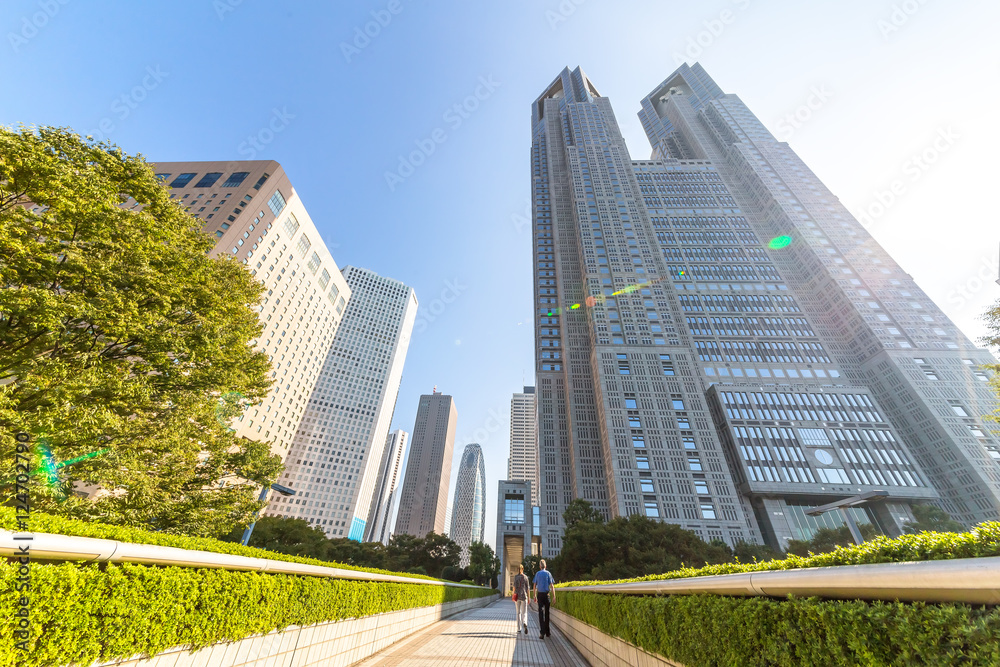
<point>543,613</point>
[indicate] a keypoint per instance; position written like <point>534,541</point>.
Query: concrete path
<point>485,636</point>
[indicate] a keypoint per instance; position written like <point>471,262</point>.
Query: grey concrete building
<point>468,514</point>
<point>517,529</point>
<point>522,462</point>
<point>718,271</point>
<point>423,501</point>
<point>385,503</point>
<point>260,221</point>
<point>335,463</point>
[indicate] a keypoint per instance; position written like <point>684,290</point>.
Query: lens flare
<point>779,242</point>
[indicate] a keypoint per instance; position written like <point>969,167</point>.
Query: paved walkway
<point>485,636</point>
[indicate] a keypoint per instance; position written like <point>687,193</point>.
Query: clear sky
<point>301,83</point>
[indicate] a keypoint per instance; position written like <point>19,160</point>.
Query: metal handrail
<point>51,547</point>
<point>970,580</point>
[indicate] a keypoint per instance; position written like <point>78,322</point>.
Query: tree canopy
<point>483,563</point>
<point>120,337</point>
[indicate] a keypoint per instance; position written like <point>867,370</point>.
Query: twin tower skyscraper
<point>720,344</point>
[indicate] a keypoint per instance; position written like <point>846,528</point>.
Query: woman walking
<point>521,594</point>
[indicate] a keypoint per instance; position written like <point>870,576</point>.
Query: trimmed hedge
<point>707,630</point>
<point>981,541</point>
<point>86,613</point>
<point>58,525</point>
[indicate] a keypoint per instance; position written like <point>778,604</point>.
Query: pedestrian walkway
<point>484,636</point>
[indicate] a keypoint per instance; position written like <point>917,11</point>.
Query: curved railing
<point>970,580</point>
<point>51,547</point>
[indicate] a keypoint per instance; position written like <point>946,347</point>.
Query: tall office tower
<point>468,514</point>
<point>385,502</point>
<point>522,465</point>
<point>860,312</point>
<point>663,306</point>
<point>423,502</point>
<point>335,461</point>
<point>260,221</point>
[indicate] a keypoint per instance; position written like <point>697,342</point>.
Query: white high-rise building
<point>522,465</point>
<point>385,502</point>
<point>468,514</point>
<point>334,463</point>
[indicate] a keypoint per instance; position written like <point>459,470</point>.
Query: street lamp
<point>283,490</point>
<point>842,505</point>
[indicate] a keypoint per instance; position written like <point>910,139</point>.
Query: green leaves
<point>704,630</point>
<point>118,331</point>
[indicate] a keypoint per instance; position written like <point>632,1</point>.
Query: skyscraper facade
<point>258,219</point>
<point>468,515</point>
<point>522,463</point>
<point>336,459</point>
<point>728,345</point>
<point>423,501</point>
<point>385,502</point>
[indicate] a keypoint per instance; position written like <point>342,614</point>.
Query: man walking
<point>521,595</point>
<point>544,588</point>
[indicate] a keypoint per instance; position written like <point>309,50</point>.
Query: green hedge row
<point>86,613</point>
<point>46,523</point>
<point>983,540</point>
<point>705,630</point>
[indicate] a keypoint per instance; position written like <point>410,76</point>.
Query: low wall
<point>603,650</point>
<point>333,644</point>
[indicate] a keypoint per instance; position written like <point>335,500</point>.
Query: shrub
<point>82,614</point>
<point>703,630</point>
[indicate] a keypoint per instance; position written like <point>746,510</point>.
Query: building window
<point>260,182</point>
<point>634,422</point>
<point>623,368</point>
<point>208,180</point>
<point>683,423</point>
<point>694,463</point>
<point>677,403</point>
<point>513,509</point>
<point>303,245</point>
<point>162,177</point>
<point>324,279</point>
<point>291,225</point>
<point>642,462</point>
<point>630,403</point>
<point>646,485</point>
<point>236,179</point>
<point>814,436</point>
<point>313,261</point>
<point>707,511</point>
<point>638,441</point>
<point>701,488</point>
<point>668,369</point>
<point>182,180</point>
<point>688,442</point>
<point>276,203</point>
<point>651,510</point>
<point>959,410</point>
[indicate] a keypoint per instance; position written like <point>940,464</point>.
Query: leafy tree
<point>352,552</point>
<point>455,573</point>
<point>934,519</point>
<point>119,335</point>
<point>580,510</point>
<point>287,536</point>
<point>532,564</point>
<point>483,563</point>
<point>433,552</point>
<point>630,547</point>
<point>745,552</point>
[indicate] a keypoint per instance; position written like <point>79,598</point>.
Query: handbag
<point>514,596</point>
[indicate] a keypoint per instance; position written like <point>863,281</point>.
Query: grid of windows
<point>182,180</point>
<point>235,179</point>
<point>276,203</point>
<point>208,180</point>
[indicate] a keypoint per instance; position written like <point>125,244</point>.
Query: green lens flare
<point>779,242</point>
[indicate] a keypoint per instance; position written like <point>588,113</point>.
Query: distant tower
<point>523,462</point>
<point>468,516</point>
<point>423,502</point>
<point>385,501</point>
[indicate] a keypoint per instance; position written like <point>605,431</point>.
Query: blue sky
<point>861,89</point>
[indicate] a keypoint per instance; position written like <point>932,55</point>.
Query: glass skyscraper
<point>720,344</point>
<point>468,514</point>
